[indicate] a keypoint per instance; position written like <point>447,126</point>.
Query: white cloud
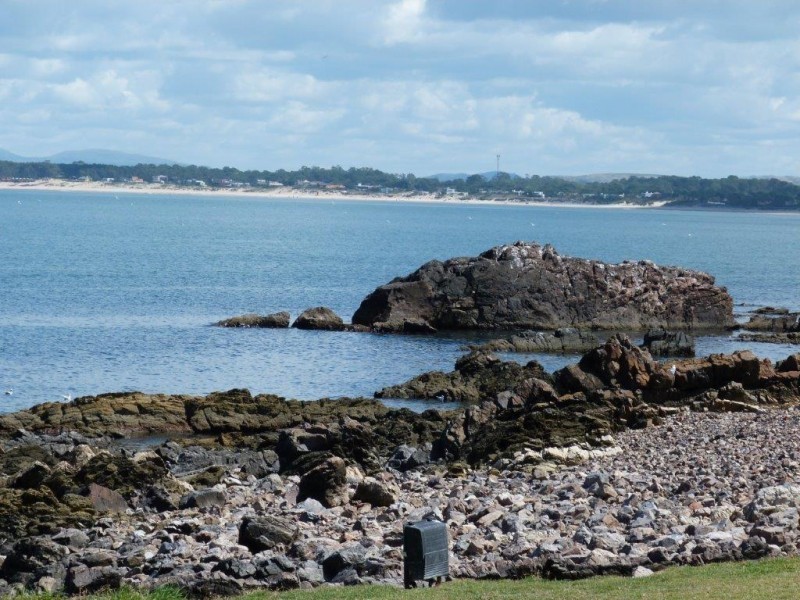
<point>403,22</point>
<point>409,85</point>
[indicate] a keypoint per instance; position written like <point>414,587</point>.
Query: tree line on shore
<point>731,192</point>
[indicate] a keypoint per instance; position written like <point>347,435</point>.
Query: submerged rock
<point>661,342</point>
<point>531,286</point>
<point>277,320</point>
<point>321,318</point>
<point>566,340</point>
<point>775,322</point>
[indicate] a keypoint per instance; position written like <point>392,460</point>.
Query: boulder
<point>105,500</point>
<point>376,493</point>
<point>31,477</point>
<point>529,286</point>
<point>353,556</point>
<point>660,342</point>
<point>405,458</point>
<point>83,580</point>
<point>33,558</point>
<point>265,532</point>
<point>319,317</point>
<point>203,499</point>
<point>327,482</point>
<point>277,320</point>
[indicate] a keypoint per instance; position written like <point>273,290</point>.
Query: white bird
<point>673,370</point>
<point>9,392</point>
<point>440,397</point>
<point>68,397</point>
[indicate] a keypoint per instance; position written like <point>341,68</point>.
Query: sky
<point>556,87</point>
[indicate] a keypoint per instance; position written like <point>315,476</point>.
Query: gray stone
<point>203,499</point>
<point>266,532</point>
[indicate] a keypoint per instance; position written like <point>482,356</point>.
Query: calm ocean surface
<point>103,293</point>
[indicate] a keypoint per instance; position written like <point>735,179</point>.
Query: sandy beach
<point>285,192</point>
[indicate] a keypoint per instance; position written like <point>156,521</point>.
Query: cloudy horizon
<point>554,87</point>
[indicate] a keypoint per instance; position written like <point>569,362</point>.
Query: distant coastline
<point>283,192</point>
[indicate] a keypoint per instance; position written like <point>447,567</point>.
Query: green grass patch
<point>773,579</point>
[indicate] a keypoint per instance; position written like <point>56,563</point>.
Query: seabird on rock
<point>673,370</point>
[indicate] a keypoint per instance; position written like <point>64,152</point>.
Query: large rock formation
<point>531,286</point>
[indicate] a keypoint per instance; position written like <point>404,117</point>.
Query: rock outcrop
<point>528,286</point>
<point>262,492</point>
<point>778,321</point>
<point>477,376</point>
<point>321,318</point>
<point>772,325</point>
<point>566,340</point>
<point>279,320</point>
<point>660,342</point>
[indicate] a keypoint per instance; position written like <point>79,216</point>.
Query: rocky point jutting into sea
<point>617,463</point>
<point>607,466</point>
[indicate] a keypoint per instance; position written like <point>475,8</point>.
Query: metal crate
<point>426,552</point>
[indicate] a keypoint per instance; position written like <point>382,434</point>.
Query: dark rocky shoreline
<point>617,463</point>
<point>556,474</point>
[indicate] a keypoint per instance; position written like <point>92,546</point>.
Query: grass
<point>772,579</point>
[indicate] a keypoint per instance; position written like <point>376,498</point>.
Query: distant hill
<point>11,157</point>
<point>603,177</point>
<point>95,156</point>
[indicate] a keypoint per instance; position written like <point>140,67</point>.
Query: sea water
<point>103,292</point>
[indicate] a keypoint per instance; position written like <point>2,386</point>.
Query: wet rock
<point>771,338</point>
<point>321,318</point>
<point>272,321</point>
<point>776,322</point>
<point>660,342</point>
<point>566,340</point>
<point>532,286</point>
